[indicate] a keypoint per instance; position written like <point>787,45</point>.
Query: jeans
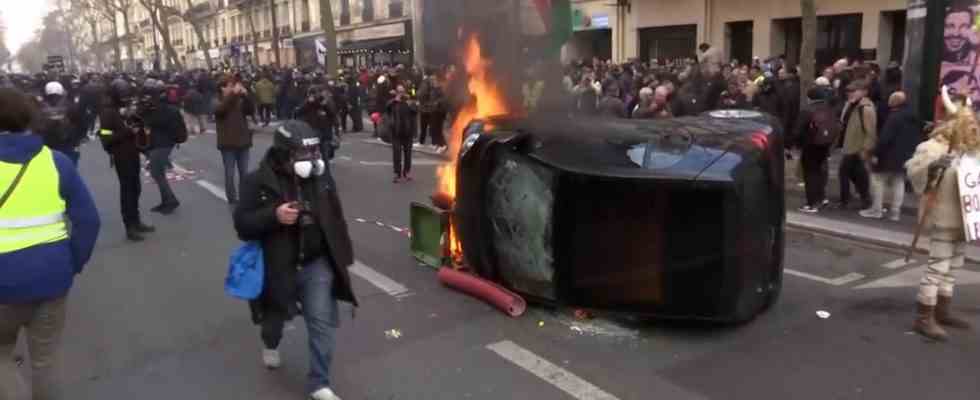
<point>852,170</point>
<point>320,311</point>
<point>401,150</point>
<point>232,159</point>
<point>888,182</point>
<point>43,322</point>
<point>813,162</point>
<point>159,163</point>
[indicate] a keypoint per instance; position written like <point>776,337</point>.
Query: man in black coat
<point>403,111</point>
<point>123,144</point>
<point>166,130</point>
<point>290,205</point>
<point>900,136</point>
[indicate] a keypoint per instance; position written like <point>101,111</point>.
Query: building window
<point>344,12</point>
<point>396,9</point>
<point>367,10</point>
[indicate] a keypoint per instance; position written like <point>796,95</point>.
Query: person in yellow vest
<point>41,195</point>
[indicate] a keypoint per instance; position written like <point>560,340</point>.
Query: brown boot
<point>925,323</point>
<point>945,316</point>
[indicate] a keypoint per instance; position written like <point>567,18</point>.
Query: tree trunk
<point>255,38</point>
<point>161,25</point>
<point>330,33</point>
<point>196,24</point>
<point>96,48</point>
<point>275,33</point>
<point>808,49</point>
<point>129,40</point>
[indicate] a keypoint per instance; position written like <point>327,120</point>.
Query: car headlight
<point>468,144</point>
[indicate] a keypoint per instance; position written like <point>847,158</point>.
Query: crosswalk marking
<point>839,281</point>
<point>551,373</point>
<point>379,280</point>
<point>899,263</point>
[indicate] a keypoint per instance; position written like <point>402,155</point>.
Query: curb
<point>909,207</point>
<point>868,235</point>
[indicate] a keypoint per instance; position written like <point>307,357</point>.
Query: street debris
<point>575,328</point>
<point>583,314</point>
<point>361,220</point>
<point>823,314</point>
<point>393,334</point>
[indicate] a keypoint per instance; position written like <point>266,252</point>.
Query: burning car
<point>676,218</point>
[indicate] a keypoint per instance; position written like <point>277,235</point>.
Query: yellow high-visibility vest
<point>35,212</point>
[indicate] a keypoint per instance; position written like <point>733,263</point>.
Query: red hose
<point>505,300</point>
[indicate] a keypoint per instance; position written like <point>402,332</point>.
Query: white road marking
<point>345,158</point>
<point>899,263</point>
<point>839,281</point>
<point>389,163</point>
<point>213,189</point>
<point>551,373</point>
<point>378,279</point>
<point>911,278</point>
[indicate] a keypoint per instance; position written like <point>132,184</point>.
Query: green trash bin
<point>430,227</point>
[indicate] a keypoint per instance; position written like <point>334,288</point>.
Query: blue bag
<point>246,272</point>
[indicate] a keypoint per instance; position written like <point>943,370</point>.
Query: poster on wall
<point>960,68</point>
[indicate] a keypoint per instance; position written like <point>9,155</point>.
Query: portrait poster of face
<point>960,68</point>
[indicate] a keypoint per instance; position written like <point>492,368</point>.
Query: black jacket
<point>164,123</point>
<point>789,92</point>
<point>403,118</point>
<point>899,138</point>
<point>262,192</point>
<point>118,139</point>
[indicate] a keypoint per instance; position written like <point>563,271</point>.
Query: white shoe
<point>415,145</point>
<point>271,359</point>
<point>324,394</point>
<point>871,213</point>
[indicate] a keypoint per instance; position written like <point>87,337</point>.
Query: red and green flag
<point>552,18</point>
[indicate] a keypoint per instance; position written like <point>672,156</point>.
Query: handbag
<point>246,272</point>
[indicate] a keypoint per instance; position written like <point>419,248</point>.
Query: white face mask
<point>305,169</point>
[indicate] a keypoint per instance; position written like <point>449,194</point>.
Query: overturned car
<point>677,218</point>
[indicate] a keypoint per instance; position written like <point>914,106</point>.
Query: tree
<point>122,8</point>
<point>31,56</point>
<point>330,32</point>
<point>109,15</point>
<point>808,49</point>
<point>160,18</point>
<point>193,16</point>
<point>89,15</point>
<point>275,32</point>
<point>247,7</point>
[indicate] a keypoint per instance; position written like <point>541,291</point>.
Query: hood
<point>17,148</point>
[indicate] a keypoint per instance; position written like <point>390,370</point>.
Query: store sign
<point>968,175</point>
<point>600,21</point>
<point>378,32</point>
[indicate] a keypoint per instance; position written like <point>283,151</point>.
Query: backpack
<point>825,128</point>
<point>246,272</point>
<point>55,127</point>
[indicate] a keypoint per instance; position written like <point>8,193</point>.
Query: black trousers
<point>265,110</point>
<point>401,151</point>
<point>342,116</point>
<point>357,119</point>
<point>852,170</point>
<point>130,188</point>
<point>432,124</point>
<point>815,173</point>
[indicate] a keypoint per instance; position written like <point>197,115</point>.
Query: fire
<point>486,99</point>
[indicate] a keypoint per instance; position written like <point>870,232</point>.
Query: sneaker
<point>324,394</point>
<point>825,203</point>
<point>271,359</point>
<point>397,179</point>
<point>871,213</point>
<point>809,210</point>
<point>895,217</point>
<point>415,145</point>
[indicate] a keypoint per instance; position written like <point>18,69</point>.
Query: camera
<point>305,213</point>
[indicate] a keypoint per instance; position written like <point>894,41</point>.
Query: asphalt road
<point>150,320</point>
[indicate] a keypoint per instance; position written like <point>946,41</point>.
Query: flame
<point>485,99</point>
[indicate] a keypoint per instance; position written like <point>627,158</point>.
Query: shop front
<point>359,46</point>
<point>592,37</point>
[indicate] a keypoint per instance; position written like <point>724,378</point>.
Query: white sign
<point>321,51</point>
<point>378,32</point>
<point>968,175</point>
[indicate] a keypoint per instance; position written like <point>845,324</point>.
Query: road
<point>150,320</point>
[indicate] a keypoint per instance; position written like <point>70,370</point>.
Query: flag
<point>321,52</point>
<point>549,17</point>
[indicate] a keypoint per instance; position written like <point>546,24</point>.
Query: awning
<point>373,46</point>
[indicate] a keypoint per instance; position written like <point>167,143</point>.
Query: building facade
<point>667,29</point>
<point>240,32</point>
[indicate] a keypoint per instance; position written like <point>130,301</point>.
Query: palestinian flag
<point>548,17</point>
